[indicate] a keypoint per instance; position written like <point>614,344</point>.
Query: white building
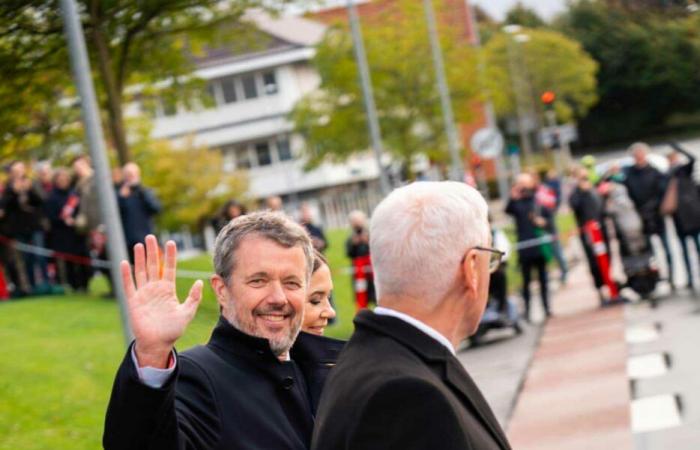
<point>254,93</point>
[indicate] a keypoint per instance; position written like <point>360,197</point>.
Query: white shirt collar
<point>430,331</point>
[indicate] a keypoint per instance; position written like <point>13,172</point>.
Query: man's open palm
<point>157,317</point>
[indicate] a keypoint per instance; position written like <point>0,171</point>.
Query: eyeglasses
<point>495,257</point>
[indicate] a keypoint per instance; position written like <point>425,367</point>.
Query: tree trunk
<point>113,93</point>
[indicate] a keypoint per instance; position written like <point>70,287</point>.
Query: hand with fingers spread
<point>158,318</point>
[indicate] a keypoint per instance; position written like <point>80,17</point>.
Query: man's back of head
<point>419,237</point>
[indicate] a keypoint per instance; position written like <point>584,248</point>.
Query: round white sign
<point>487,143</point>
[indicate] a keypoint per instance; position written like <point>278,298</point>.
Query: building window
<point>284,152</point>
<point>211,92</point>
<point>243,160</point>
<point>270,83</point>
<point>228,87</point>
<point>168,106</point>
<point>250,90</point>
<point>262,151</point>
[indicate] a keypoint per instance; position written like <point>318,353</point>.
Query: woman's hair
<point>319,260</point>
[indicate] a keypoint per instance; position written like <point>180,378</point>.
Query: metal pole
<point>457,169</point>
<point>93,129</point>
<point>501,172</point>
<point>370,106</point>
<point>517,91</point>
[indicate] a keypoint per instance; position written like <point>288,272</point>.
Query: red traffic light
<point>548,97</point>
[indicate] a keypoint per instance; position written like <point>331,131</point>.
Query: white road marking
<point>641,334</point>
<point>655,413</point>
<point>646,366</point>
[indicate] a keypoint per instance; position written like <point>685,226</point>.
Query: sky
<point>545,8</point>
<point>498,8</point>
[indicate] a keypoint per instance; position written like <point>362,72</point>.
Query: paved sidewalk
<point>576,393</point>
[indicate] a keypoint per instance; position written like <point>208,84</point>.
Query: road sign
<point>487,143</point>
<point>558,135</point>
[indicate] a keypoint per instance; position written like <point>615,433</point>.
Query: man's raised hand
<point>157,317</point>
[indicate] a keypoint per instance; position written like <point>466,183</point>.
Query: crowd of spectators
<point>50,226</point>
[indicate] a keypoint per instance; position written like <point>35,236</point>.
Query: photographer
<point>357,249</point>
<point>137,205</point>
<point>532,221</point>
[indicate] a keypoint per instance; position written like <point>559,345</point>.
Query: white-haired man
<point>249,387</point>
<point>398,384</point>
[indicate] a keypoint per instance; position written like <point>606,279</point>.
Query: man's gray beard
<point>277,348</point>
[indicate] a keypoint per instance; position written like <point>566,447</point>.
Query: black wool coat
<point>395,387</point>
<point>232,393</point>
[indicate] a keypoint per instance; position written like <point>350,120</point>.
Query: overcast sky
<point>498,8</point>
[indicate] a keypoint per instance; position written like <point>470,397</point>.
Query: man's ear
<point>470,271</point>
<point>219,286</point>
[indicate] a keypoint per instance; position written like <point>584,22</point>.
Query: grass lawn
<point>58,356</point>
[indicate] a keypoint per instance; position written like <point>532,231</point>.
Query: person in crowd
<point>274,203</point>
<point>88,222</point>
<point>318,237</point>
<point>137,205</point>
<point>397,383</point>
<point>249,385</point>
<point>229,211</point>
<point>22,206</point>
<point>318,311</point>
<point>43,185</point>
<point>587,205</point>
<point>357,249</point>
<point>61,208</point>
<point>44,178</point>
<point>550,191</point>
<point>646,187</point>
<point>318,314</point>
<point>683,203</point>
<point>498,287</point>
<point>532,222</point>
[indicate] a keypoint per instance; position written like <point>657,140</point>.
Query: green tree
<point>648,68</point>
<point>131,43</point>
<point>524,16</point>
<point>547,61</point>
<point>332,119</point>
<point>189,179</point>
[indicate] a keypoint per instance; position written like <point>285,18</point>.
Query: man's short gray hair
<point>419,235</point>
<point>274,226</point>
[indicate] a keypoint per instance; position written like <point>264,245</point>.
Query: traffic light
<point>548,98</point>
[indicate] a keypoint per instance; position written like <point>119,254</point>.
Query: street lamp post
<point>93,130</point>
<point>517,84</point>
<point>370,106</point>
<point>457,168</point>
<point>488,106</point>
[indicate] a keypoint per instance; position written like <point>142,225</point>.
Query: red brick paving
<point>576,393</point>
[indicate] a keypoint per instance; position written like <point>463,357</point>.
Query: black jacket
<point>397,388</point>
<point>646,187</point>
<point>586,205</point>
<point>137,210</point>
<point>524,210</point>
<point>231,393</point>
<point>687,216</point>
<point>23,212</point>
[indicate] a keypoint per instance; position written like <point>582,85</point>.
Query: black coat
<point>586,205</point>
<point>687,216</point>
<point>646,187</point>
<point>231,393</point>
<point>524,210</point>
<point>137,211</point>
<point>394,387</point>
<point>22,212</point>
<point>62,237</point>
